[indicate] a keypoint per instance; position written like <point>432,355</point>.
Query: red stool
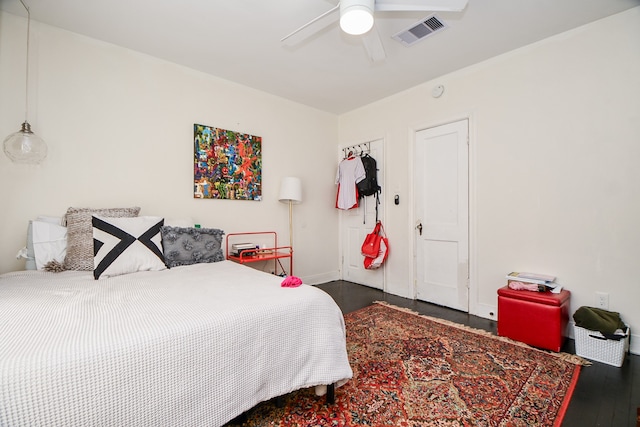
<point>536,318</point>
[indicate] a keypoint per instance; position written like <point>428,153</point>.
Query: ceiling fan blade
<point>373,45</point>
<point>316,24</point>
<point>421,5</point>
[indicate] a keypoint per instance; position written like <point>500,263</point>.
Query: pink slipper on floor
<point>291,282</point>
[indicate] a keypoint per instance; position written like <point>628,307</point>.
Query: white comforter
<point>191,346</point>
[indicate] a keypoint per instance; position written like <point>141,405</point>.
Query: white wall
<point>555,182</point>
<point>554,152</point>
<point>119,127</point>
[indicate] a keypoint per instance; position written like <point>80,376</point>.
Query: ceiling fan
<point>356,18</point>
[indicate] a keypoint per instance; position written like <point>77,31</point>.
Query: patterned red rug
<point>412,370</point>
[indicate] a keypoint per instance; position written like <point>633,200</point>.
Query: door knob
<point>419,227</point>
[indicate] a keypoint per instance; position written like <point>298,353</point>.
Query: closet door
<point>442,215</point>
<point>356,223</point>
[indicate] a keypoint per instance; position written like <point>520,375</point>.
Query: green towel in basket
<point>597,319</point>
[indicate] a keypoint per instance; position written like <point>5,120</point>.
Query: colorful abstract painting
<point>226,164</point>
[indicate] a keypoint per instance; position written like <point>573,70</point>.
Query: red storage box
<point>536,318</point>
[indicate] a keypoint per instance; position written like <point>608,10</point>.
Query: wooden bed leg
<point>331,394</point>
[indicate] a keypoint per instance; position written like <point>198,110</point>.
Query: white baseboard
<point>486,311</point>
<point>321,278</point>
<point>634,344</point>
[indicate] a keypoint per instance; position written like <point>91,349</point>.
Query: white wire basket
<point>593,345</point>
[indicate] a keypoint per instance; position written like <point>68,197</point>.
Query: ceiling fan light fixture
<point>356,16</point>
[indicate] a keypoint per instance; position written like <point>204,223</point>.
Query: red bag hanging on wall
<point>371,263</point>
<point>371,244</point>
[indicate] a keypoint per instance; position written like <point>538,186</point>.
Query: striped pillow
<point>126,245</point>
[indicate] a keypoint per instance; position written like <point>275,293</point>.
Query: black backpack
<point>369,185</point>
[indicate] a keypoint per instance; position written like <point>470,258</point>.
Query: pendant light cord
<point>26,85</point>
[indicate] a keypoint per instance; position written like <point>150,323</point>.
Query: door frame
<point>473,297</point>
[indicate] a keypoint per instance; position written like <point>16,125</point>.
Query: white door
<point>356,223</point>
<point>442,215</point>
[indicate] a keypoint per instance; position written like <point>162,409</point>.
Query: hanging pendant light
<point>25,146</point>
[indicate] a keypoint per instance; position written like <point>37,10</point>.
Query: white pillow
<point>57,220</point>
<point>27,253</point>
<point>126,245</point>
<point>52,242</point>
<point>49,242</point>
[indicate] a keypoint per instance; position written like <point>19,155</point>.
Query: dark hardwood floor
<point>604,396</point>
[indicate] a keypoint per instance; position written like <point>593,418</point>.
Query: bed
<point>194,345</point>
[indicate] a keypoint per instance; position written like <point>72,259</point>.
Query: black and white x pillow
<point>126,245</point>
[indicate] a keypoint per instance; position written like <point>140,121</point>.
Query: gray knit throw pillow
<point>80,234</point>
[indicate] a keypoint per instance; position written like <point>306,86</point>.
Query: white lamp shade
<point>291,190</point>
<point>356,16</point>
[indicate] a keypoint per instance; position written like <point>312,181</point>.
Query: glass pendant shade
<point>25,146</point>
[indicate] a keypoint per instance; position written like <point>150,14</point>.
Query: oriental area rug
<point>416,371</point>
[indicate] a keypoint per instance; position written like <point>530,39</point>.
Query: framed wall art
<point>226,164</point>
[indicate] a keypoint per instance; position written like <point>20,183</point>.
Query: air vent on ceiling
<point>420,30</point>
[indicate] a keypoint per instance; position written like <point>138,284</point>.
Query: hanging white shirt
<point>350,172</point>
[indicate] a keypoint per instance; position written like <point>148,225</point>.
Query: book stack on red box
<point>544,282</point>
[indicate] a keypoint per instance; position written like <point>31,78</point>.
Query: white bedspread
<point>190,346</point>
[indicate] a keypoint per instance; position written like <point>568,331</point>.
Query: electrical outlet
<point>602,300</point>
